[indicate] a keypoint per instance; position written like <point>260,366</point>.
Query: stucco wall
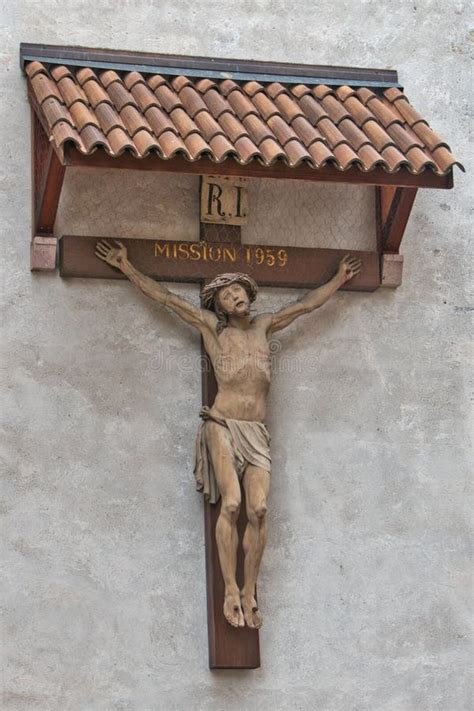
<point>366,579</point>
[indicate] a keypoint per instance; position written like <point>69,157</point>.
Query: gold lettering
<point>230,254</point>
<point>211,254</point>
<point>282,257</point>
<point>194,252</point>
<point>161,249</point>
<point>183,251</point>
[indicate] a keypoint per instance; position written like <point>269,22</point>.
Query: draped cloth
<point>249,443</point>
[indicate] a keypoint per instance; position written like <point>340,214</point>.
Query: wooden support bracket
<point>47,179</point>
<point>393,206</point>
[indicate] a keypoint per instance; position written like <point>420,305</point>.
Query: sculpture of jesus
<point>233,443</point>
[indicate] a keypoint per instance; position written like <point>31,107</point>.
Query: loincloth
<point>248,441</point>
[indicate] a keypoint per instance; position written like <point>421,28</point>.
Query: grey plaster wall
<point>366,582</point>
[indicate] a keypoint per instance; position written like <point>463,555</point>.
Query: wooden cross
<point>220,250</point>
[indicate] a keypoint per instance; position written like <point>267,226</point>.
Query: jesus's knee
<point>257,514</point>
<point>230,507</point>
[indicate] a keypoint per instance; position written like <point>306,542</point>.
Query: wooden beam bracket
<point>47,175</point>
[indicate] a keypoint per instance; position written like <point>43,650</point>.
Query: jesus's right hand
<point>112,255</point>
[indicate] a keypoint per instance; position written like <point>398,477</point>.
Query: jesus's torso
<point>242,365</point>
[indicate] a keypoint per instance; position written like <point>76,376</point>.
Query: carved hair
<point>211,290</point>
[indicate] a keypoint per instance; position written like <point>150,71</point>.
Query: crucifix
<point>233,457</point>
<point>229,121</point>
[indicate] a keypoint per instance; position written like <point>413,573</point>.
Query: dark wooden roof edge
<point>238,69</point>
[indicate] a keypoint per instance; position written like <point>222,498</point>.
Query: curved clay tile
<point>144,96</point>
<point>246,149</point>
<point>258,130</point>
<point>378,136</point>
<point>402,139</point>
<point>159,121</point>
<point>410,114</point>
<point>419,160</point>
<point>335,109</point>
<point>180,82</point>
<point>345,156</point>
<point>155,81</point>
<point>354,135</point>
<point>183,123</point>
<point>196,146</point>
<point>34,68</point>
<point>145,142</point>
<point>61,72</point>
<point>321,90</point>
<point>320,154</point>
<point>241,104</point>
<point>282,131</point>
<point>216,103</point>
<point>190,99</point>
<point>55,111</point>
<point>83,116</point>
<point>370,157</point>
<point>86,74</point>
<point>204,85</point>
<point>306,131</point>
<point>232,127</point>
<point>445,160</point>
<point>96,94</point>
<point>108,78</point>
<point>63,132</point>
<point>134,121</point>
<point>120,96</point>
<point>227,86</point>
<point>275,89</point>
<point>44,88</point>
<point>288,107</point>
<point>108,118</point>
<point>71,92</point>
<point>265,106</point>
<point>344,92</point>
<point>331,133</point>
<point>131,79</point>
<point>208,125</point>
<point>93,138</point>
<point>394,160</point>
<point>384,113</point>
<point>358,111</point>
<point>170,144</point>
<point>221,148</point>
<point>313,110</point>
<point>120,142</point>
<point>271,151</point>
<point>252,87</point>
<point>300,90</point>
<point>296,153</point>
<point>429,138</point>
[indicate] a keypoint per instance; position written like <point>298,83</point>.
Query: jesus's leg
<point>218,443</point>
<point>256,486</point>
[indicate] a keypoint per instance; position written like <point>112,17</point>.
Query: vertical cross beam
<point>229,647</point>
<point>47,176</point>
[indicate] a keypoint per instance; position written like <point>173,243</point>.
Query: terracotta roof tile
<point>224,119</point>
<point>95,93</point>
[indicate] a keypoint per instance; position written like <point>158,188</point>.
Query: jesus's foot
<point>233,610</point>
<point>253,616</point>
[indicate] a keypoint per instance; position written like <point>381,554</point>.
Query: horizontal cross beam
<point>170,260</point>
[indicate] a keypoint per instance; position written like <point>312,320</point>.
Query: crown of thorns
<point>210,290</point>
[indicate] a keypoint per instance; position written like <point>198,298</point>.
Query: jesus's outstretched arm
<point>117,257</point>
<point>348,268</point>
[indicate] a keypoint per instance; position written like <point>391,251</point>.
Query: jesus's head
<point>230,295</point>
